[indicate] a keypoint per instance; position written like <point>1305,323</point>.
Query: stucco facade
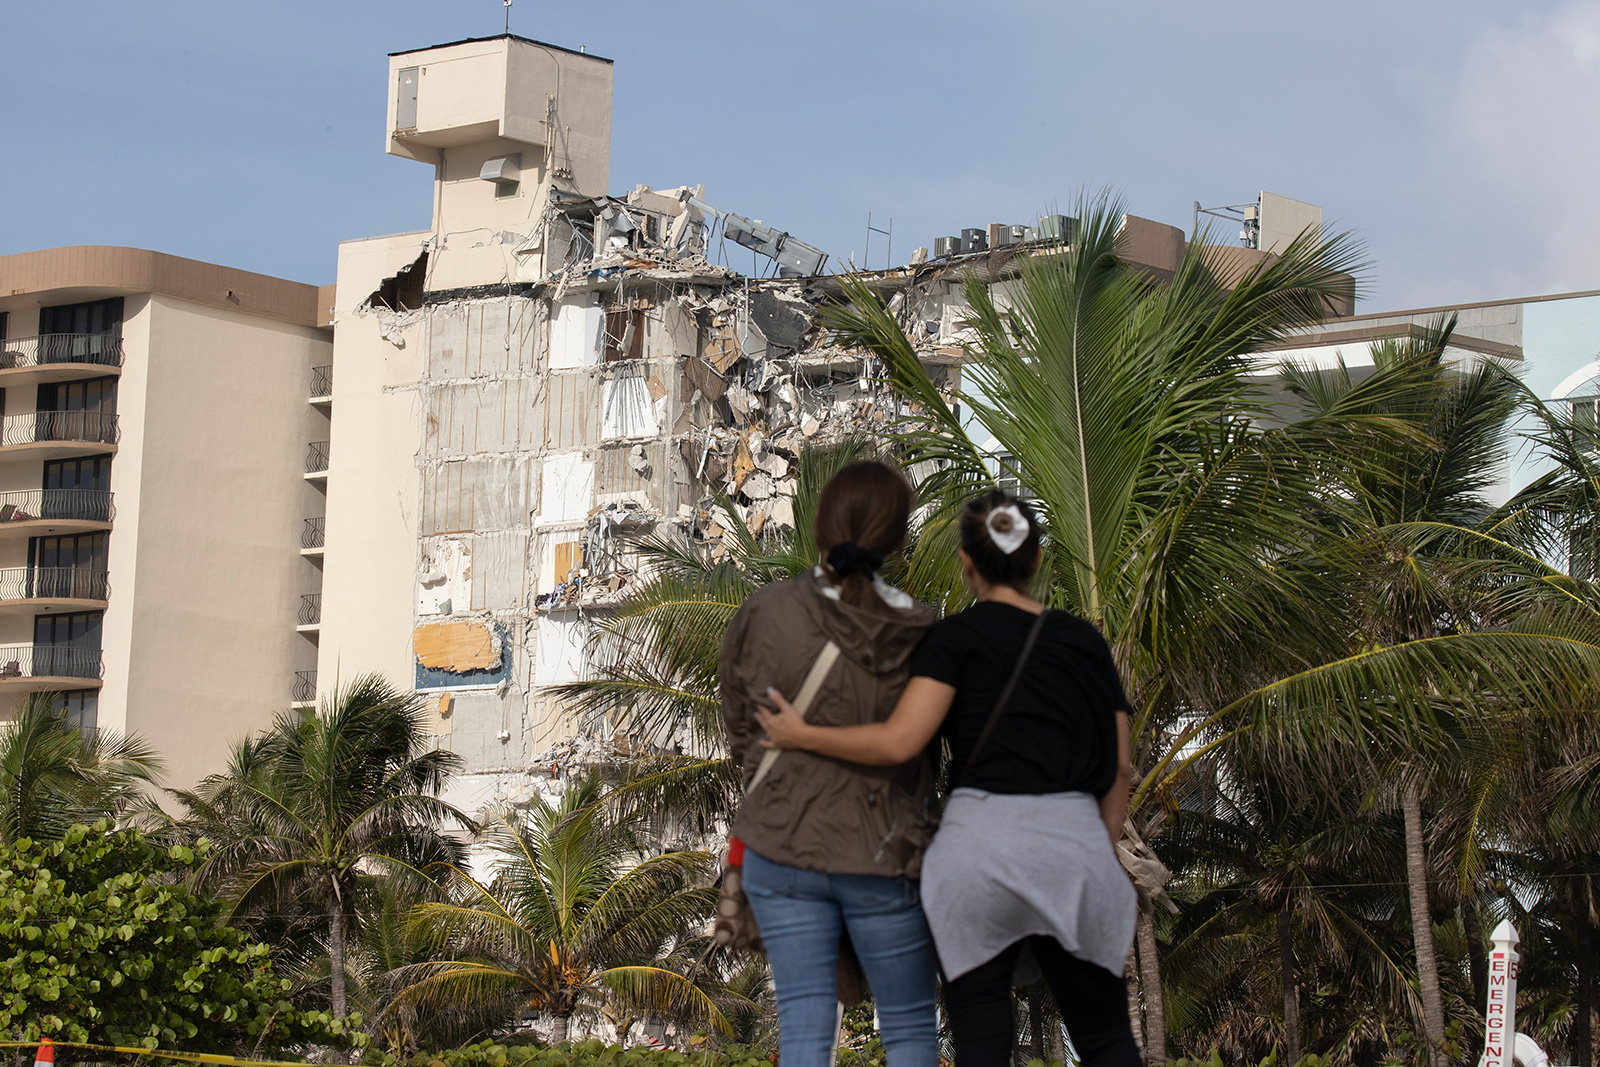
<point>151,498</point>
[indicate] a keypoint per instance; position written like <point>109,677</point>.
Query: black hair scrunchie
<point>847,558</point>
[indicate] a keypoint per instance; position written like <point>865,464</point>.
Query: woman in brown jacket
<point>831,844</point>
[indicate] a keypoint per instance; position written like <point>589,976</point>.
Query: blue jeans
<point>800,913</point>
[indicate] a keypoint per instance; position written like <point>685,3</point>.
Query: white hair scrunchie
<point>1008,529</point>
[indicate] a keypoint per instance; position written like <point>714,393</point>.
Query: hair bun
<point>1008,529</point>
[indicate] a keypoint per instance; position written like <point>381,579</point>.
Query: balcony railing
<point>313,532</point>
<point>316,457</point>
<point>49,661</point>
<point>305,687</point>
<point>100,349</point>
<point>53,583</point>
<point>322,381</point>
<point>82,505</point>
<point>310,609</point>
<point>98,427</point>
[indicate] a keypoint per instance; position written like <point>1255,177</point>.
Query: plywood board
<point>569,556</point>
<point>456,646</point>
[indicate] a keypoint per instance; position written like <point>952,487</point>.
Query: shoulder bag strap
<point>1005,694</point>
<point>802,704</point>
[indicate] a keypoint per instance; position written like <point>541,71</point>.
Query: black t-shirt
<point>1058,732</point>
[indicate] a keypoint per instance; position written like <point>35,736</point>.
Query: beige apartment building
<point>153,496</point>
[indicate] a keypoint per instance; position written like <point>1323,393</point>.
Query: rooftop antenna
<point>866,257</point>
<point>507,3</point>
<point>1247,215</point>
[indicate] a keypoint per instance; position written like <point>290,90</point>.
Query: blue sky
<point>1457,137</point>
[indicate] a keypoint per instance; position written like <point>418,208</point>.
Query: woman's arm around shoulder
<point>916,718</point>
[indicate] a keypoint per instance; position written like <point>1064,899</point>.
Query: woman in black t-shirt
<point>1024,861</point>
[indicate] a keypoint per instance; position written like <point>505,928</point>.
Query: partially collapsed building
<point>547,370</point>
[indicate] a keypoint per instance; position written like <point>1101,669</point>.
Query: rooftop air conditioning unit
<point>973,240</point>
<point>1002,235</point>
<point>946,246</point>
<point>1061,228</point>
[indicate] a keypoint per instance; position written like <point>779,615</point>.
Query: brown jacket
<point>812,811</point>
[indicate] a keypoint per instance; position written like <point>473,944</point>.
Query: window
<point>96,316</point>
<point>80,629</point>
<point>84,551</point>
<point>1006,473</point>
<point>89,472</point>
<point>77,411</point>
<point>3,316</point>
<point>624,335</point>
<point>82,707</point>
<point>67,646</point>
<point>77,489</point>
<point>91,394</point>
<point>68,567</point>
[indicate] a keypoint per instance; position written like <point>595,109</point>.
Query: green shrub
<point>100,942</point>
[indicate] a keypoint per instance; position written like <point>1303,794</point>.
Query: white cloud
<point>1526,105</point>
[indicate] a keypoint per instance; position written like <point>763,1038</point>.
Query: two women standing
<point>840,829</point>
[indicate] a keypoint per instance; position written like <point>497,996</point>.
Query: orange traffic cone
<point>46,1054</point>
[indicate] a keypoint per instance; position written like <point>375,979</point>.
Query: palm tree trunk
<point>1291,985</point>
<point>1155,1018</point>
<point>1130,978</point>
<point>558,1029</point>
<point>1582,1041</point>
<point>336,951</point>
<point>1477,958</point>
<point>1036,1019</point>
<point>1422,923</point>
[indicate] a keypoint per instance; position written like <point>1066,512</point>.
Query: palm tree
<point>1415,516</point>
<point>1185,518</point>
<point>576,917</point>
<point>1278,878</point>
<point>52,776</point>
<point>319,802</point>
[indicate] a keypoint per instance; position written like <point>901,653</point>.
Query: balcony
<point>310,619</point>
<point>41,512</point>
<point>48,668</point>
<point>304,693</point>
<point>317,460</point>
<point>46,590</point>
<point>322,384</point>
<point>57,357</point>
<point>312,536</point>
<point>57,434</point>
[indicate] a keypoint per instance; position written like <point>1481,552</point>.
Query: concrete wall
<point>206,624</point>
<point>371,545</point>
<point>1283,219</point>
<point>508,88</point>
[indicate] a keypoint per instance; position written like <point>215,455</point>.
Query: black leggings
<point>1093,1003</point>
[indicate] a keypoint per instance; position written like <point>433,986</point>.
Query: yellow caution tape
<point>190,1057</point>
